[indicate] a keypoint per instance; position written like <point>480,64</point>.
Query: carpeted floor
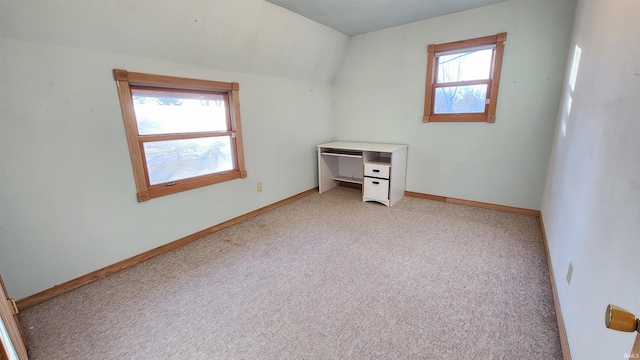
<point>324,277</point>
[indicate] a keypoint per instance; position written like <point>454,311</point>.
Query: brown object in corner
<point>635,351</point>
<point>50,293</point>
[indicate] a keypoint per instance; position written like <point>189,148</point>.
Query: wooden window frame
<point>493,83</point>
<point>126,80</point>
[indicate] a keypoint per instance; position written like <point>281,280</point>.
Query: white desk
<point>379,168</point>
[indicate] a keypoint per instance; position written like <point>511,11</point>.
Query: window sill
<point>460,118</point>
<point>188,184</point>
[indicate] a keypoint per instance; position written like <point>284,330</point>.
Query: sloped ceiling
<point>354,17</point>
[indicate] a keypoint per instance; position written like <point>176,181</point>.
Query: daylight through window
<point>463,79</point>
<point>182,133</point>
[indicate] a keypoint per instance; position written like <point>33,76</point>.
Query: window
<point>463,79</point>
<point>182,133</point>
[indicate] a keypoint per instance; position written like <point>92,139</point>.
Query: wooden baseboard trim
<point>564,341</point>
<point>504,208</point>
<point>121,265</point>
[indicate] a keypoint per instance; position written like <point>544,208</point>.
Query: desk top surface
<point>363,146</point>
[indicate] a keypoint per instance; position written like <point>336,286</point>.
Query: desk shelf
<point>348,179</point>
<point>344,153</point>
<point>345,162</point>
<point>380,161</point>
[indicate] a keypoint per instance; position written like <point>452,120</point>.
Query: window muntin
<point>463,79</point>
<point>182,133</point>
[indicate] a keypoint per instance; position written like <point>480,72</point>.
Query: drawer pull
<point>376,170</point>
<point>376,182</point>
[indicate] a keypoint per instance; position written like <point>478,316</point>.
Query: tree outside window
<point>463,79</point>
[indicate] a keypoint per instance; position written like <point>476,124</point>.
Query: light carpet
<point>324,277</point>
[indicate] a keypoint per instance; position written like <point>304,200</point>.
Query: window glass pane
<point>180,159</point>
<point>465,66</point>
<point>6,342</point>
<point>460,99</point>
<point>165,111</point>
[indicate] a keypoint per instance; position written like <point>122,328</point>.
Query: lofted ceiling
<point>354,17</point>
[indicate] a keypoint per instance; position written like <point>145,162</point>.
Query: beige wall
<point>591,203</point>
<point>67,194</point>
<point>379,96</point>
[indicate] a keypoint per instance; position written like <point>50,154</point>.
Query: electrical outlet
<point>259,186</point>
<point>569,273</point>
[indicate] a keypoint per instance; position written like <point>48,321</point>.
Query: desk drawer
<point>377,170</point>
<point>376,189</point>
